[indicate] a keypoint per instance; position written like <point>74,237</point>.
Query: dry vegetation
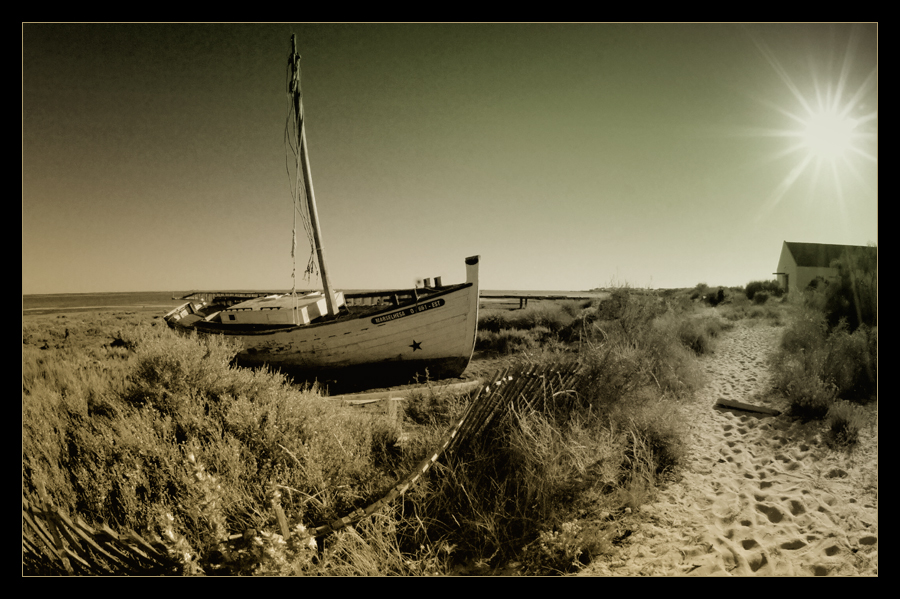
<point>128,424</point>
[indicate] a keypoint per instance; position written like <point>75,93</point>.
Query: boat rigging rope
<point>293,129</point>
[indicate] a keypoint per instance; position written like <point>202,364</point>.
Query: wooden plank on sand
<point>739,405</point>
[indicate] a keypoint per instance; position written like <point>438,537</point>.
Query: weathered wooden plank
<point>370,397</point>
<point>45,562</point>
<point>282,521</point>
<point>125,557</point>
<point>152,551</point>
<point>57,538</point>
<point>93,544</point>
<point>66,526</point>
<point>89,568</point>
<point>43,534</point>
<point>506,394</point>
<point>30,547</point>
<point>739,405</point>
<point>83,526</point>
<point>481,408</point>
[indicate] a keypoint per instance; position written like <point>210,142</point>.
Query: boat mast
<point>307,176</point>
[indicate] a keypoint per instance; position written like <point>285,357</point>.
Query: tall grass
<point>541,486</point>
<point>538,325</point>
<point>119,446</point>
<point>159,433</point>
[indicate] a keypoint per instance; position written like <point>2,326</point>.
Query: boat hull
<point>430,337</point>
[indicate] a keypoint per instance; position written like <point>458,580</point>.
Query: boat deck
<point>356,305</point>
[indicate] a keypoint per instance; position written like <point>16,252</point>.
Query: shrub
<point>770,287</point>
<point>853,296</point>
<point>492,321</point>
<point>720,297</point>
<point>655,436</point>
<point>851,362</point>
<point>567,548</point>
<point>809,397</point>
<point>582,326</point>
<point>760,297</point>
<point>844,424</point>
<point>697,332</point>
<point>816,283</point>
<point>714,298</point>
<point>640,348</point>
<point>814,366</point>
<point>807,332</point>
<point>508,341</point>
<point>551,315</point>
<point>431,407</point>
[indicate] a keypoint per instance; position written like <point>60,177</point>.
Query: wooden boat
<point>346,341</point>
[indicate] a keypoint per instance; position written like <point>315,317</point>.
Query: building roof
<point>821,254</point>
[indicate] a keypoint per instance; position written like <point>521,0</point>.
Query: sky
<point>568,156</point>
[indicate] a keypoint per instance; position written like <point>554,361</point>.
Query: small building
<point>801,263</point>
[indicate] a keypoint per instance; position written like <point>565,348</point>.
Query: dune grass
<point>121,444</point>
<point>127,424</point>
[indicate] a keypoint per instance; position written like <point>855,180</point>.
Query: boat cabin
<point>280,309</point>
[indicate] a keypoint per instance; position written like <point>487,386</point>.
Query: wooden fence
<point>62,545</point>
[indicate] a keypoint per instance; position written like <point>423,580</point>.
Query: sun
<point>833,131</point>
<point>828,135</point>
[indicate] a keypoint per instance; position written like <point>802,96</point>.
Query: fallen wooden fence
<point>62,545</point>
<point>511,389</point>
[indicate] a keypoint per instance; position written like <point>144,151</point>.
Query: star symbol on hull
<point>416,345</point>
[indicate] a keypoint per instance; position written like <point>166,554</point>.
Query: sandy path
<point>760,495</point>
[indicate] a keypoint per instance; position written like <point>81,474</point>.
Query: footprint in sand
<point>753,501</point>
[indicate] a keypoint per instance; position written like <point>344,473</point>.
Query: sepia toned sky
<point>568,156</point>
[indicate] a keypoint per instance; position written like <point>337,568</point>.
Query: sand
<point>760,495</point>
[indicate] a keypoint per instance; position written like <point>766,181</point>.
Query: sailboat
<point>344,341</point>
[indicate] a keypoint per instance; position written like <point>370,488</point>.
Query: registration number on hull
<point>410,311</point>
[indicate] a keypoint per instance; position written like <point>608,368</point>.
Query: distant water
<point>164,299</point>
<point>74,301</point>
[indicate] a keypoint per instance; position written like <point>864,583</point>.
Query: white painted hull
<point>434,336</point>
